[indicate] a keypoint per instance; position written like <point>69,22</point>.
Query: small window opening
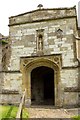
<point>59,33</point>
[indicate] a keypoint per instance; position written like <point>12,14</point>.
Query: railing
<point>21,106</point>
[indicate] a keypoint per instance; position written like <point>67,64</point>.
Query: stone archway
<point>42,86</point>
<point>30,64</point>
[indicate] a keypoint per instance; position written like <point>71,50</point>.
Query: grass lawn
<point>10,112</point>
<point>76,117</point>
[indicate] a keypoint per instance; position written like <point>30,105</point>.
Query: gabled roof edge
<point>61,8</point>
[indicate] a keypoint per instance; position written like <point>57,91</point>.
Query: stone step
<point>51,112</point>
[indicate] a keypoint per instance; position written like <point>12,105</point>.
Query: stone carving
<point>39,42</point>
<point>55,59</point>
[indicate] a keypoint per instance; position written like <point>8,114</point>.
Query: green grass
<point>76,117</point>
<point>10,112</point>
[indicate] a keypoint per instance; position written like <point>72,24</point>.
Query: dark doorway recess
<point>42,86</point>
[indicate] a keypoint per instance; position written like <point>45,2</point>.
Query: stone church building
<point>43,58</point>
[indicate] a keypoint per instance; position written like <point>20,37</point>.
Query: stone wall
<point>6,53</point>
<point>0,57</point>
<point>1,81</point>
<point>11,91</point>
<point>79,49</point>
<point>13,81</point>
<point>70,82</point>
<point>24,41</point>
<point>59,28</point>
<point>69,77</point>
<point>10,99</point>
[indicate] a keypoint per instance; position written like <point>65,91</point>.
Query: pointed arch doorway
<point>42,86</point>
<point>41,79</point>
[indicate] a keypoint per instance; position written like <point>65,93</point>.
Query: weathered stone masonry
<point>44,37</point>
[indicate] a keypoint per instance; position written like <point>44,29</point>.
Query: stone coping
<point>41,20</point>
<point>45,9</point>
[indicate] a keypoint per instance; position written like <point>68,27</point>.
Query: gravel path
<point>48,112</point>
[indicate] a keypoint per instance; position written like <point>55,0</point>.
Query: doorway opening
<point>42,86</point>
